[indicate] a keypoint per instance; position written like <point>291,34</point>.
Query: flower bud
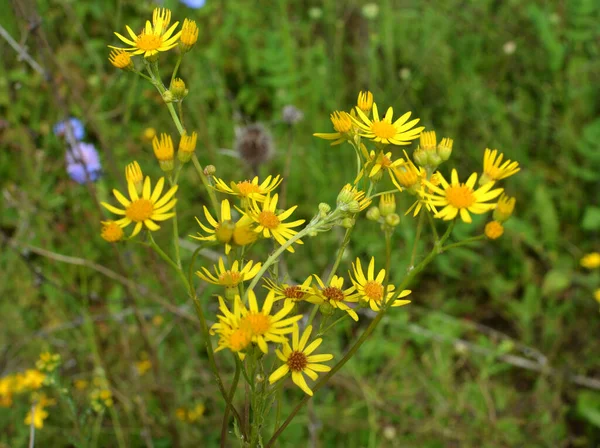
<point>433,159</point>
<point>324,209</point>
<point>164,152</point>
<point>133,174</point>
<point>149,134</point>
<point>420,157</point>
<point>387,204</point>
<point>187,146</point>
<point>348,223</point>
<point>230,293</point>
<point>168,96</point>
<point>345,196</point>
<point>111,231</point>
<point>189,35</point>
<point>504,209</point>
<point>353,207</point>
<point>365,101</point>
<point>392,219</point>
<point>444,149</point>
<point>373,214</point>
<point>494,230</point>
<point>210,170</point>
<point>121,59</point>
<point>178,89</point>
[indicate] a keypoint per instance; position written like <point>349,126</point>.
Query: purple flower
<point>81,159</point>
<point>76,126</point>
<point>195,4</point>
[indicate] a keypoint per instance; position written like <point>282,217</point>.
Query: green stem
<point>473,239</point>
<point>382,193</point>
<point>232,389</point>
<point>432,224</point>
<point>416,243</point>
<point>176,68</point>
<point>204,180</point>
<point>337,321</point>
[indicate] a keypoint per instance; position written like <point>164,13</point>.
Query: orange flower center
<point>246,188</point>
<point>268,219</point>
<point>111,232</point>
<point>297,361</point>
<point>140,210</point>
<point>460,196</point>
<point>230,278</point>
<point>333,293</point>
<point>149,42</point>
<point>258,323</point>
<point>293,292</point>
<point>239,339</point>
<point>383,129</point>
<point>374,291</point>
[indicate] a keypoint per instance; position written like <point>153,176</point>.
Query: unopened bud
<point>392,220</point>
<point>326,309</point>
<point>420,157</point>
<point>444,149</point>
<point>178,89</point>
<point>324,209</point>
<point>433,159</point>
<point>210,170</point>
<point>230,293</point>
<point>168,96</point>
<point>373,214</point>
<point>353,207</point>
<point>387,204</point>
<point>347,223</point>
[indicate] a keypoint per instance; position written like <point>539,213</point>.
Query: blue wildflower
<point>195,4</point>
<point>76,128</point>
<point>81,159</point>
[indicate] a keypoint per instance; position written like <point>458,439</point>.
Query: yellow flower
<point>505,208</point>
<point>157,320</point>
<point>196,413</point>
<point>399,132</point>
<point>225,230</point>
<point>352,200</point>
<point>365,101</point>
<point>335,295</point>
<point>111,231</point>
<point>120,59</point>
<point>230,278</point>
<point>292,293</point>
<point>155,36</point>
<point>31,379</point>
<point>38,414</point>
<point>143,366</point>
<point>231,334</point>
<point>370,288</point>
<point>164,152</point>
<point>146,209</point>
<point>187,146</point>
<point>181,414</point>
<point>299,360</point>
<point>247,189</point>
<point>7,388</point>
<point>461,198</point>
<point>492,168</point>
<point>189,35</point>
<point>263,326</point>
<point>133,173</point>
<point>591,260</point>
<point>387,204</point>
<point>48,362</point>
<point>597,295</point>
<point>149,134</point>
<point>379,163</point>
<point>494,230</point>
<point>269,223</point>
<point>342,124</point>
<point>81,384</point>
<point>406,174</point>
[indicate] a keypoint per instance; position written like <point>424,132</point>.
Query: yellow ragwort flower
<point>143,366</point>
<point>597,295</point>
<point>342,124</point>
<point>494,230</point>
<point>370,288</point>
<point>189,35</point>
<point>111,231</point>
<point>505,208</point>
<point>146,209</point>
<point>225,230</point>
<point>299,360</point>
<point>38,417</point>
<point>406,174</point>
<point>365,101</point>
<point>462,198</point>
<point>187,146</point>
<point>494,169</point>
<point>591,260</point>
<point>399,132</point>
<point>133,173</point>
<point>164,152</point>
<point>231,334</point>
<point>155,37</point>
<point>379,163</point>
<point>7,388</point>
<point>335,294</point>
<point>30,380</point>
<point>271,224</point>
<point>249,189</point>
<point>230,278</point>
<point>120,59</point>
<point>48,362</point>
<point>292,293</point>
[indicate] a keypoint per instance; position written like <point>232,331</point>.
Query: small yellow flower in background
<point>263,326</point>
<point>164,152</point>
<point>370,288</point>
<point>591,260</point>
<point>120,59</point>
<point>155,36</point>
<point>48,362</point>
<point>38,417</point>
<point>352,200</point>
<point>494,230</point>
<point>335,295</point>
<point>505,208</point>
<point>181,414</point>
<point>249,190</point>
<point>149,134</point>
<point>158,320</point>
<point>299,359</point>
<point>225,230</point>
<point>7,388</point>
<point>81,384</point>
<point>189,35</point>
<point>143,366</point>
<point>30,380</point>
<point>270,223</point>
<point>101,396</point>
<point>111,231</point>
<point>292,293</point>
<point>399,132</point>
<point>494,169</point>
<point>146,209</point>
<point>187,146</point>
<point>365,101</point>
<point>461,198</point>
<point>597,295</point>
<point>230,278</point>
<point>342,124</point>
<point>133,173</point>
<point>196,413</point>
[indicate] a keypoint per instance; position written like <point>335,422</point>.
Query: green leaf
<point>588,406</point>
<point>556,281</point>
<point>591,218</point>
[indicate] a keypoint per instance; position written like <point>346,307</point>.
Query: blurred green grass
<point>413,384</point>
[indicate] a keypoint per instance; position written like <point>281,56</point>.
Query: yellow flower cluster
<point>191,415</point>
<point>100,395</point>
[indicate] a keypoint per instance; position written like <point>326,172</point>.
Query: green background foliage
<point>491,349</point>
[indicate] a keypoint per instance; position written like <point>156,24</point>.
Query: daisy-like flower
<point>299,360</point>
<point>292,293</point>
<point>269,223</point>
<point>494,230</point>
<point>399,132</point>
<point>144,210</point>
<point>249,189</point>
<point>406,174</point>
<point>370,288</point>
<point>494,169</point>
<point>231,335</point>
<point>343,126</point>
<point>230,278</point>
<point>591,260</point>
<point>263,326</point>
<point>335,294</point>
<point>225,230</point>
<point>380,163</point>
<point>111,231</point>
<point>462,198</point>
<point>155,37</point>
<point>120,59</point>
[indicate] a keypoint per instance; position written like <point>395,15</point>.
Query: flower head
<point>231,334</point>
<point>494,169</point>
<point>299,359</point>
<point>187,146</point>
<point>343,126</point>
<point>335,294</point>
<point>189,35</point>
<point>591,260</point>
<point>399,132</point>
<point>111,231</point>
<point>292,293</point>
<point>494,230</point>
<point>120,59</point>
<point>249,189</point>
<point>365,101</point>
<point>505,208</point>
<point>133,173</point>
<point>352,200</point>
<point>145,209</point>
<point>271,223</point>
<point>164,152</point>
<point>83,163</point>
<point>73,126</point>
<point>462,198</point>
<point>379,163</point>
<point>370,288</point>
<point>230,278</point>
